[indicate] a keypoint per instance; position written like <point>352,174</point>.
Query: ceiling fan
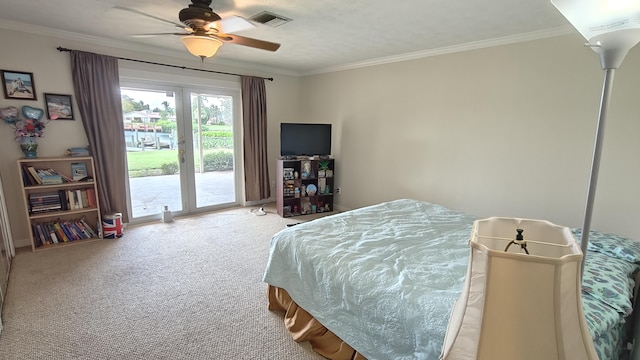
<point>204,31</point>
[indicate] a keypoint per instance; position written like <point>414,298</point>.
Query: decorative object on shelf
<point>289,174</point>
<point>311,189</point>
<point>26,130</point>
<point>29,147</point>
<point>306,169</point>
<point>59,106</point>
<point>18,85</point>
<point>322,183</point>
<point>507,293</point>
<point>323,164</point>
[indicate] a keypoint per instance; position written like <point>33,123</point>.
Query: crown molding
<point>183,55</point>
<point>506,40</point>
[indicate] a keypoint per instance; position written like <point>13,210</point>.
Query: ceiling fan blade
<point>232,24</point>
<point>148,15</point>
<point>254,43</point>
<point>158,34</point>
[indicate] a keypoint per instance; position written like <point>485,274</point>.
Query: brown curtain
<point>254,124</point>
<point>97,88</point>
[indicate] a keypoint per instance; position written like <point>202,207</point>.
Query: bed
<point>379,282</point>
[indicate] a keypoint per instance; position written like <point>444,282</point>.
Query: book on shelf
<point>84,198</point>
<point>91,198</point>
<point>36,237</point>
<point>67,232</point>
<point>78,151</point>
<point>44,202</point>
<point>88,228</point>
<point>78,198</point>
<point>49,177</point>
<point>52,232</point>
<point>82,231</point>
<point>79,171</point>
<point>64,202</point>
<point>37,229</point>
<point>73,229</point>
<point>27,180</point>
<point>60,232</point>
<point>34,175</point>
<point>45,208</point>
<point>53,179</point>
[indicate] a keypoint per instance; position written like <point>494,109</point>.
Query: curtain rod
<point>61,49</point>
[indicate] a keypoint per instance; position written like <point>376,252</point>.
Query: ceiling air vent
<point>270,19</point>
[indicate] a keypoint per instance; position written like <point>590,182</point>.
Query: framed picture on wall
<point>18,85</point>
<point>59,106</point>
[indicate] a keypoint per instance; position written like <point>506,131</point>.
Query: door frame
<point>183,85</point>
<point>237,147</point>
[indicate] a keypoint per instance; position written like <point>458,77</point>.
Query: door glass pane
<point>212,119</point>
<point>152,154</point>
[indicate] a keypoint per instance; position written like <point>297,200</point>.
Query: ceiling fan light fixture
<point>201,46</point>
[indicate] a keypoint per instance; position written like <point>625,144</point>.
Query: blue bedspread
<point>382,278</point>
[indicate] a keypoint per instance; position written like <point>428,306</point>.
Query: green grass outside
<point>149,162</point>
<point>150,159</point>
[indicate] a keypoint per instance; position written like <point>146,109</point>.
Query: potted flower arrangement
<point>27,130</point>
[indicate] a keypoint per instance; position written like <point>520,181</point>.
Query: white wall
<point>52,73</point>
<point>503,131</point>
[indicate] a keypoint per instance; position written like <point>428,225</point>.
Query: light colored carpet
<point>191,289</point>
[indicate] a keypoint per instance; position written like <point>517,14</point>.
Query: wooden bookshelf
<point>60,210</point>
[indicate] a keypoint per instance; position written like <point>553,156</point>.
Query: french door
<point>182,146</point>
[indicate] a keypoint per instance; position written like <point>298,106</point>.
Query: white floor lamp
<point>612,28</point>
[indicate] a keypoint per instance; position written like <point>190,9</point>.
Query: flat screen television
<point>305,139</point>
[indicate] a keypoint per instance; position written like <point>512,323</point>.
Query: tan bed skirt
<point>303,327</point>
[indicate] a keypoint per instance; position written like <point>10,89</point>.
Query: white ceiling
<point>324,34</point>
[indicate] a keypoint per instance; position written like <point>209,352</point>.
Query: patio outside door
<point>180,150</point>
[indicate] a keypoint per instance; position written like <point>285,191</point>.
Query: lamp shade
<point>516,305</point>
<point>611,27</point>
<point>201,46</point>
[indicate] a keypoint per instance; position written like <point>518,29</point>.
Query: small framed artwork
<point>18,85</point>
<point>59,106</point>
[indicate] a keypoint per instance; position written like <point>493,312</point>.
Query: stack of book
<point>32,176</point>
<point>77,151</point>
<point>79,198</point>
<point>62,200</point>
<point>61,231</point>
<point>44,202</point>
